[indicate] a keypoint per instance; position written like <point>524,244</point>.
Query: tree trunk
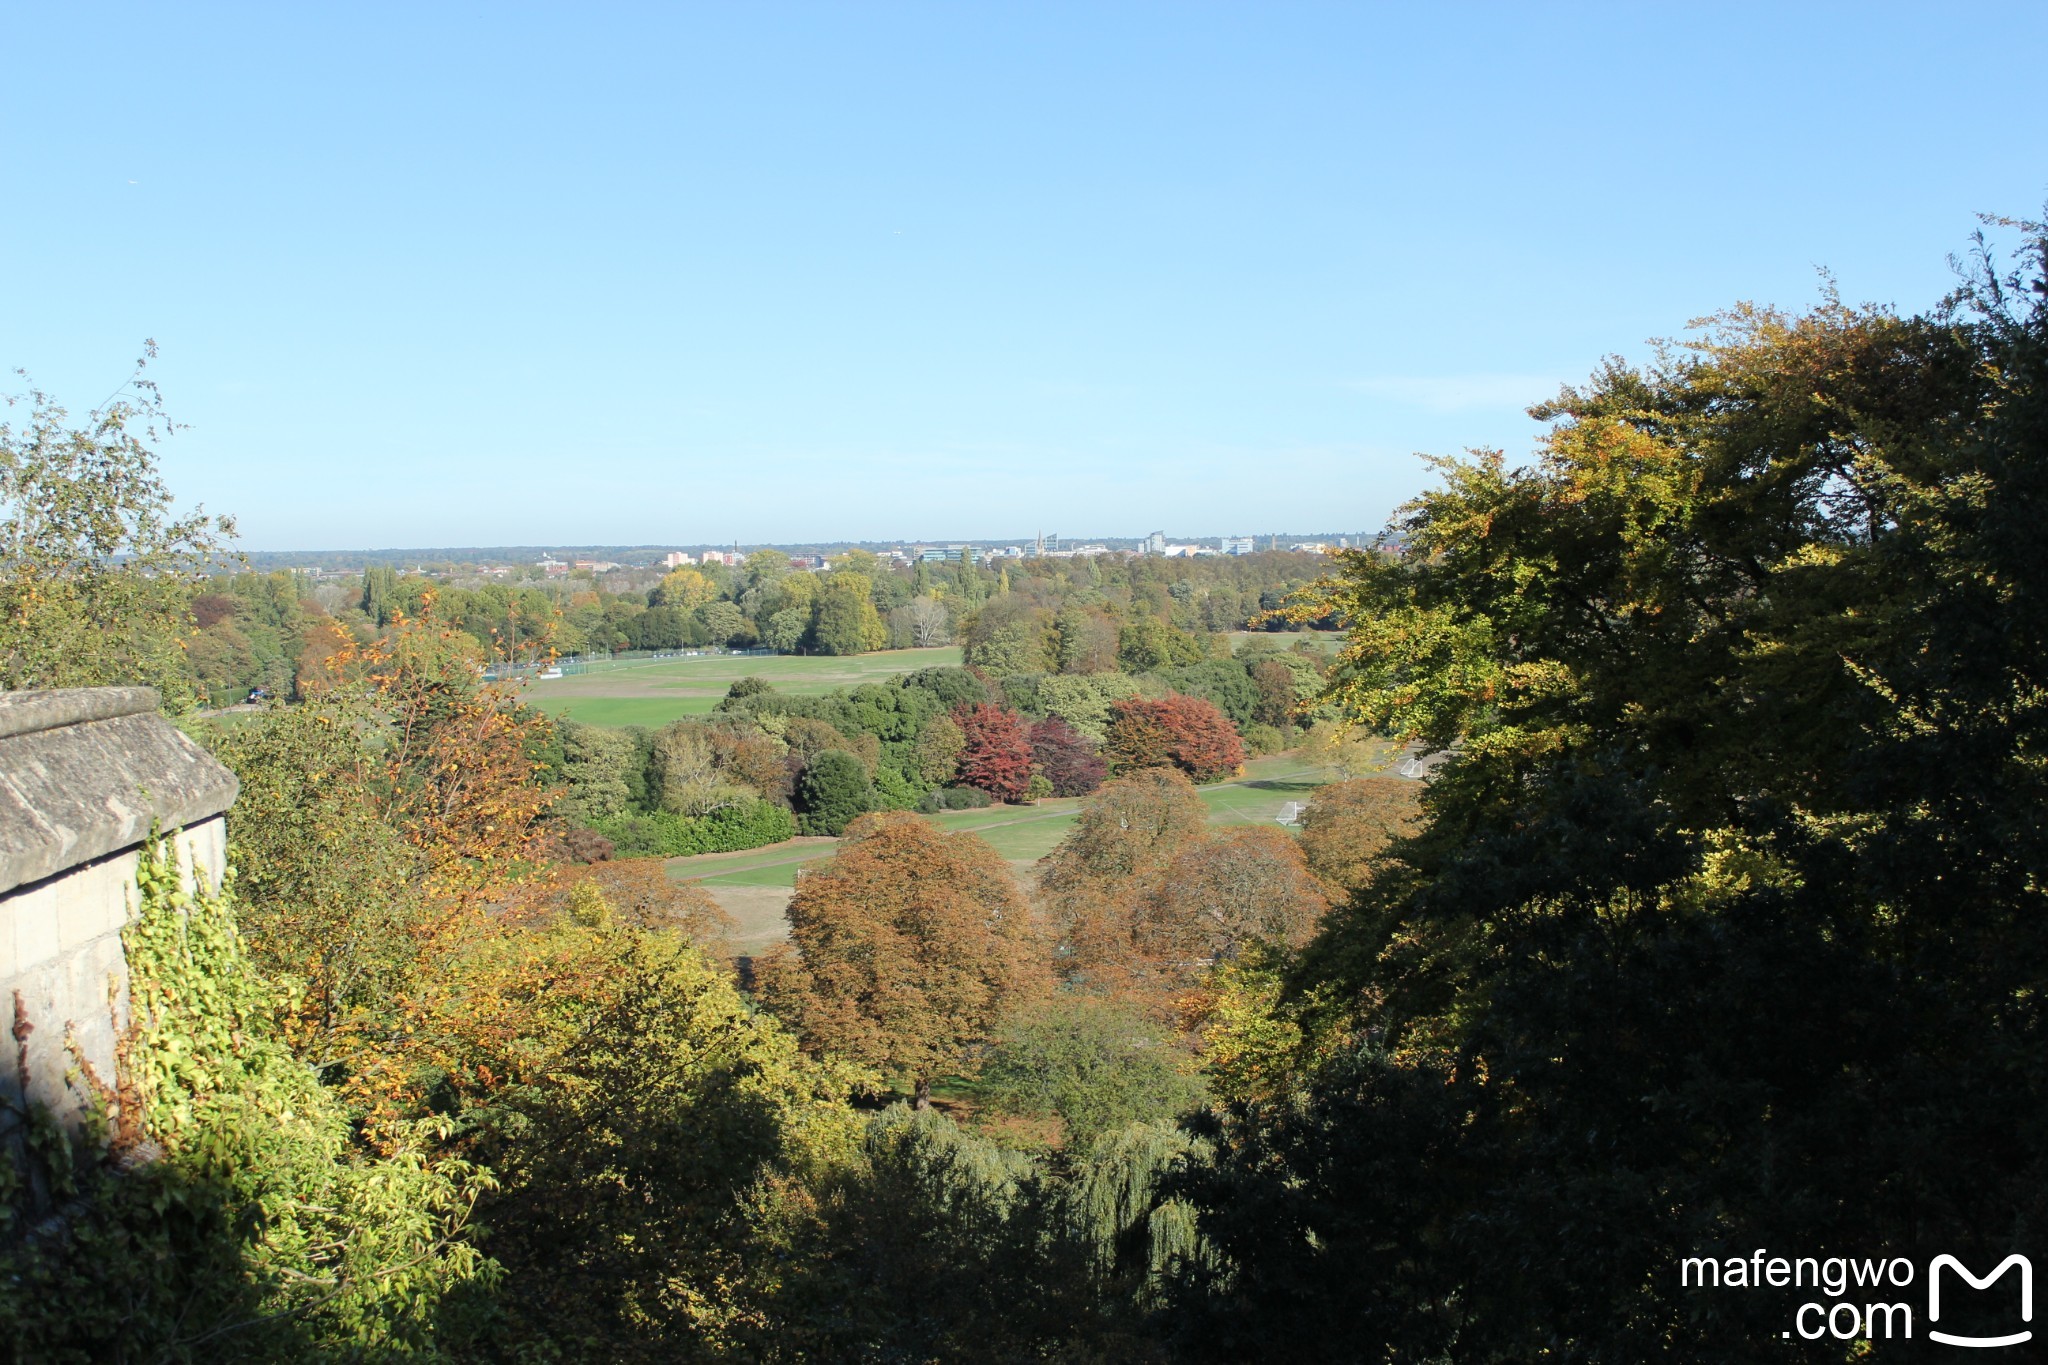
<point>921,1094</point>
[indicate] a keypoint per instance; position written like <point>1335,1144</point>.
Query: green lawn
<point>655,694</point>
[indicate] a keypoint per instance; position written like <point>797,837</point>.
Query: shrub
<point>725,830</point>
<point>1264,739</point>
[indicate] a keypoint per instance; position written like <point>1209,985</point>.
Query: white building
<point>676,559</point>
<point>1237,545</point>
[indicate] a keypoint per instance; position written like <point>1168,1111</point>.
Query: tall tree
<point>904,949</point>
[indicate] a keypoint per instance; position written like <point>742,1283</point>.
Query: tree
<point>1085,640</point>
<point>786,629</point>
<point>685,589</point>
<point>995,755</point>
<point>835,790</point>
<point>1084,702</point>
<point>1348,825</point>
<point>1097,1063</point>
<point>687,776</point>
<point>1185,732</point>
<point>939,746</point>
<point>847,622</point>
<point>595,766</point>
<point>1008,636</point>
<point>1736,681</point>
<point>726,624</point>
<point>930,623</point>
<point>1066,758</point>
<point>1237,886</point>
<point>95,570</point>
<point>905,949</point>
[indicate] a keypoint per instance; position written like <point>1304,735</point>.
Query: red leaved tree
<point>997,756</point>
<point>1066,758</point>
<point>1182,732</point>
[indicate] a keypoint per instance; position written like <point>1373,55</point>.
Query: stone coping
<point>85,772</point>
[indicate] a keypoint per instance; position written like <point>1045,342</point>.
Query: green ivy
<point>236,1214</point>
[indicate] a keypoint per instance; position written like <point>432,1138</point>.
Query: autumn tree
<point>1066,758</point>
<point>1348,825</point>
<point>995,755</point>
<point>1182,732</point>
<point>1236,886</point>
<point>1112,855</point>
<point>905,949</point>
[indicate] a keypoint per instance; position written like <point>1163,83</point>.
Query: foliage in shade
<point>1097,1063</point>
<point>1726,929</point>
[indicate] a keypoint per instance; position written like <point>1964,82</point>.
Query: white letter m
<point>2026,1298</point>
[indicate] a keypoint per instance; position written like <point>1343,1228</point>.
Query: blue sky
<point>606,274</point>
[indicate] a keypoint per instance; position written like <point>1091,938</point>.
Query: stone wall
<point>85,774</point>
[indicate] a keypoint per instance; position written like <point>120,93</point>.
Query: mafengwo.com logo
<point>1862,1299</point>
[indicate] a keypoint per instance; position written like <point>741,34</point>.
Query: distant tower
<point>1041,545</point>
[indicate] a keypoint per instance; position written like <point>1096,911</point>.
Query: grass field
<point>1020,833</point>
<point>655,694</point>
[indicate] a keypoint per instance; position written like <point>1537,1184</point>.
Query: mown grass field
<point>754,887</point>
<point>653,694</point>
<point>1021,834</point>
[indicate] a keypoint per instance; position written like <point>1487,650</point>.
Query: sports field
<point>653,694</point>
<point>754,887</point>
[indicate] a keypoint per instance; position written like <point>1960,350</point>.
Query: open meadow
<point>655,692</point>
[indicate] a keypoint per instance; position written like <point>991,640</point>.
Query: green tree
<point>834,791</point>
<point>1097,1063</point>
<point>1727,891</point>
<point>846,621</point>
<point>95,569</point>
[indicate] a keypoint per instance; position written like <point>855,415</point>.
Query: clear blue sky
<point>607,274</point>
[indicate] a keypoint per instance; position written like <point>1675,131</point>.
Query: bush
<point>725,830</point>
<point>954,798</point>
<point>1264,739</point>
<point>835,791</point>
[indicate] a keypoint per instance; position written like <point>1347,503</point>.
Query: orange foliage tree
<point>905,949</point>
<point>1115,852</point>
<point>1233,888</point>
<point>1348,825</point>
<point>1187,733</point>
<point>996,756</point>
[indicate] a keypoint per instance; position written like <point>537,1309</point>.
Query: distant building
<point>1237,545</point>
<point>1155,544</point>
<point>935,554</point>
<point>676,559</point>
<point>1315,547</point>
<point>552,567</point>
